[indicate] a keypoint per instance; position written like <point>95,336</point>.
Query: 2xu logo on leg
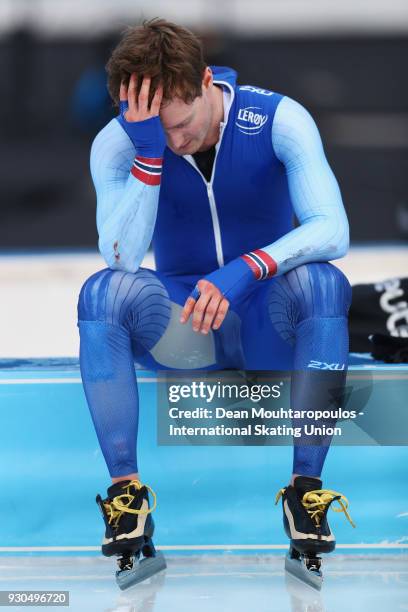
<point>322,365</point>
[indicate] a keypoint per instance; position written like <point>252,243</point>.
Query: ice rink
<point>223,583</point>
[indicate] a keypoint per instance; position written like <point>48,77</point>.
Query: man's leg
<point>309,306</point>
<point>123,317</point>
<point>298,322</point>
<point>317,296</point>
<point>110,307</point>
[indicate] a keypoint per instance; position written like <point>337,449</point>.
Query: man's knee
<point>314,290</point>
<point>126,299</point>
<point>319,290</point>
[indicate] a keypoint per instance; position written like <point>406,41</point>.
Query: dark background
<point>54,100</point>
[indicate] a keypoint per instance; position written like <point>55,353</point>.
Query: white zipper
<point>211,200</point>
<point>216,223</point>
<point>210,191</point>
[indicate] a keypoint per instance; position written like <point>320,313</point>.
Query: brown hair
<point>166,52</point>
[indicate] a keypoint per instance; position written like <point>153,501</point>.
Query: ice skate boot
<point>305,507</point>
<point>129,530</point>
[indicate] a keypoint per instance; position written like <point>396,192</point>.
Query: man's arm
<point>323,233</point>
<point>126,206</point>
<point>126,162</point>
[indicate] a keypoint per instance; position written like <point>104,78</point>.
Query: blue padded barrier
<point>51,469</point>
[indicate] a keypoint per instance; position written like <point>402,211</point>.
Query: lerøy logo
<point>249,121</point>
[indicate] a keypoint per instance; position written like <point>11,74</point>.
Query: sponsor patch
<point>250,121</point>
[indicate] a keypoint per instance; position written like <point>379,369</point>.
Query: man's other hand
<point>208,310</point>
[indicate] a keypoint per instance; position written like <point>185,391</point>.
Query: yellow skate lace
<point>316,502</point>
<point>116,507</point>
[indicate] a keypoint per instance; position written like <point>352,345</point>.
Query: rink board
<point>209,498</point>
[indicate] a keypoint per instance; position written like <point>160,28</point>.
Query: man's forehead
<point>176,111</point>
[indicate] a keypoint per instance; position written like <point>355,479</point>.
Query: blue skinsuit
<point>269,164</point>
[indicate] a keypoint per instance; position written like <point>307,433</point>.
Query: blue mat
<point>51,469</point>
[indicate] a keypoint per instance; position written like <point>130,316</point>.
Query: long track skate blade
<point>296,568</point>
<point>141,571</point>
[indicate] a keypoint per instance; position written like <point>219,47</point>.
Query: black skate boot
<point>305,507</point>
<point>129,531</point>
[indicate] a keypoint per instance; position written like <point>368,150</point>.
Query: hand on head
<point>135,101</point>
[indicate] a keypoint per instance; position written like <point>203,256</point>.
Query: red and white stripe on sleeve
<point>261,264</point>
<point>148,169</point>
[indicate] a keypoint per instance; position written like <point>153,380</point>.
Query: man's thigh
<point>263,347</point>
<point>180,347</point>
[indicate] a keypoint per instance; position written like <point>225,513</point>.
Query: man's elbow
<point>341,247</point>
<point>115,260</point>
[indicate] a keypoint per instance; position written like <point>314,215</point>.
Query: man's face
<point>187,125</point>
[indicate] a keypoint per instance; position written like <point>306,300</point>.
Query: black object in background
<point>389,349</point>
<point>381,310</point>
